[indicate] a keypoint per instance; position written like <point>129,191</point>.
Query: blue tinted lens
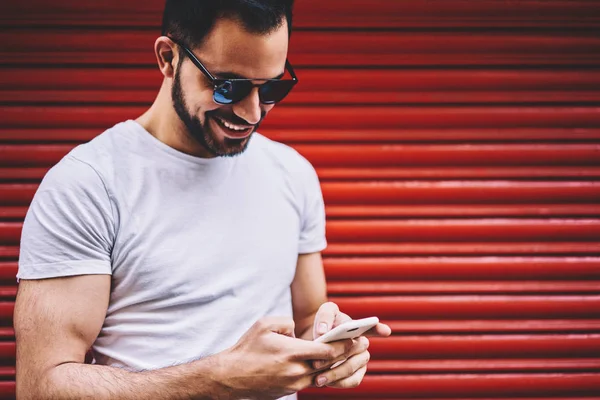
<point>223,92</point>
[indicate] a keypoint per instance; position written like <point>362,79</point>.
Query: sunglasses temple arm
<point>291,69</point>
<point>194,60</point>
<point>199,64</point>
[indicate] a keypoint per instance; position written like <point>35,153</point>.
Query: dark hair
<point>189,21</point>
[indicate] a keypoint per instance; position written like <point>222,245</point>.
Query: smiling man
<point>183,247</point>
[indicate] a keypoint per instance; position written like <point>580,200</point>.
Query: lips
<point>229,129</point>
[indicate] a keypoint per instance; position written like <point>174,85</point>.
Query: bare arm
<point>309,292</point>
<point>57,320</point>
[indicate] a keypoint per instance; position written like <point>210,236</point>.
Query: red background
<point>458,145</point>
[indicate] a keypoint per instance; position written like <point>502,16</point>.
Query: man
<point>189,272</point>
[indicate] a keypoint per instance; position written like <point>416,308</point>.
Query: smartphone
<point>348,330</point>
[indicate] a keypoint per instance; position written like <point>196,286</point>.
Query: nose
<point>249,107</point>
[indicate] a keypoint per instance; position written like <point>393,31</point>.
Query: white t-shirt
<point>198,249</point>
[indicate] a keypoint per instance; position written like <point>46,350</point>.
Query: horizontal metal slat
<point>462,386</point>
<point>477,248</point>
<point>350,396</point>
<point>12,213</point>
<point>7,351</point>
<point>388,287</point>
<point>8,252</point>
<point>407,134</point>
<point>485,365</point>
<point>471,306</point>
<point>122,86</point>
<point>451,155</point>
<point>443,326</point>
<point>7,333</point>
<point>494,193</point>
<point>459,386</point>
<point>6,313</point>
<point>8,271</point>
<point>435,211</point>
<point>336,48</point>
<point>376,155</point>
<point>462,268</point>
<point>17,194</point>
<point>334,117</point>
<point>464,230</point>
<point>430,173</point>
<point>7,390</point>
<point>503,347</point>
<point>318,14</point>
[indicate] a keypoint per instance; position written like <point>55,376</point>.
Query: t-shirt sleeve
<point>312,231</point>
<point>69,227</point>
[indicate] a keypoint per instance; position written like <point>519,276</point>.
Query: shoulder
<point>100,152</point>
<point>284,157</point>
<point>85,172</point>
<point>90,163</point>
<point>71,174</point>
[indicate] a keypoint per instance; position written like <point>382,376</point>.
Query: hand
<point>268,362</point>
<point>348,370</point>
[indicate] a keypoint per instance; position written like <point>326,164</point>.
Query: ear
<point>167,56</point>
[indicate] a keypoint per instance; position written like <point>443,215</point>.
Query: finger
<point>325,318</point>
<point>309,350</point>
<point>344,371</point>
<point>352,381</point>
<point>381,330</point>
<point>359,345</point>
<point>301,384</point>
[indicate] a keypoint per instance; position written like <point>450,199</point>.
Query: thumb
<point>324,319</point>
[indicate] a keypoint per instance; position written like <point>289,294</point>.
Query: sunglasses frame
<point>218,82</point>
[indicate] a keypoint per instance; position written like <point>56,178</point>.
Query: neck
<point>163,123</point>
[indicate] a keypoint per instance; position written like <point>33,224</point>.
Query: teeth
<point>231,126</point>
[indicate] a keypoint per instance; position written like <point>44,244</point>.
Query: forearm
<point>304,327</point>
<point>195,380</point>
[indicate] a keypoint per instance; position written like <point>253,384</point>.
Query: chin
<point>229,147</point>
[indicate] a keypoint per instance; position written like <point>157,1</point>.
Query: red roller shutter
<point>458,144</point>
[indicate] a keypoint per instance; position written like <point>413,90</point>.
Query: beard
<point>202,132</point>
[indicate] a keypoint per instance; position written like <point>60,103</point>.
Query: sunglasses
<point>230,91</point>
